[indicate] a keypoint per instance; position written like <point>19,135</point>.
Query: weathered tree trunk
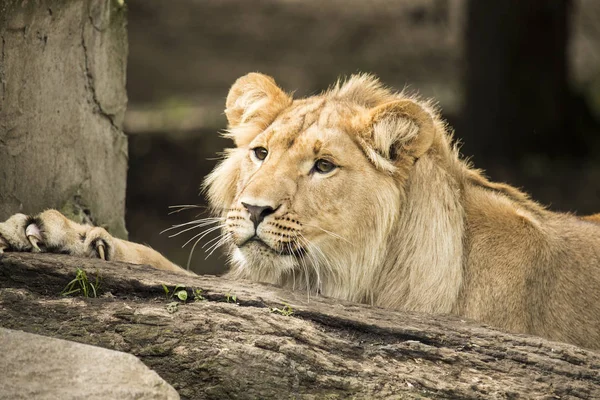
<point>228,347</point>
<point>62,100</point>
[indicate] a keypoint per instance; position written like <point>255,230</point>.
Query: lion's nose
<point>258,213</point>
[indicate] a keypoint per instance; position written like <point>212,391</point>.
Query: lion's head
<point>316,192</point>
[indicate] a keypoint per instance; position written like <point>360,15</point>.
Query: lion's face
<point>307,183</point>
<point>304,186</point>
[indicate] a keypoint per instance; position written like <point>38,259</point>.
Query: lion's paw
<point>52,232</point>
<point>12,234</point>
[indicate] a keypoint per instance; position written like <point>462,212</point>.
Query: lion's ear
<point>255,98</point>
<point>401,128</point>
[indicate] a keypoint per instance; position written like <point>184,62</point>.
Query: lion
<point>359,194</point>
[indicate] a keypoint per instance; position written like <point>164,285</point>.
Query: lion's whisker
<point>200,222</point>
<point>326,260</point>
<point>211,240</point>
<point>206,232</point>
<point>314,260</point>
<point>203,234</point>
<point>193,227</point>
<point>184,207</point>
<point>314,252</point>
<point>311,245</point>
<point>332,234</point>
<point>191,254</point>
<point>220,243</point>
<point>306,276</point>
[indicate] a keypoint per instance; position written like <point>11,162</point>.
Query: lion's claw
<point>34,236</point>
<point>3,245</point>
<point>101,248</point>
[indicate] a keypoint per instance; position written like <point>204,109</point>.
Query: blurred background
<point>519,81</point>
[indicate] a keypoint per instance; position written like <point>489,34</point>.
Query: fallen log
<point>245,340</point>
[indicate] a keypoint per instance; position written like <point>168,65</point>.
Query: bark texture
<point>62,101</point>
<point>327,349</point>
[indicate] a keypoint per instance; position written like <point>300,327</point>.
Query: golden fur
<point>399,222</point>
<point>402,222</point>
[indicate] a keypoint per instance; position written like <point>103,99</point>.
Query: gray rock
<point>38,367</point>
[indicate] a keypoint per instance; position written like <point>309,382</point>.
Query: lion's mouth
<point>294,251</point>
<point>258,241</point>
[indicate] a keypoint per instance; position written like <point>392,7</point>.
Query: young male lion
<point>358,194</point>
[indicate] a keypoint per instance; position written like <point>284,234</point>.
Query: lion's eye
<point>324,166</point>
<point>260,153</point>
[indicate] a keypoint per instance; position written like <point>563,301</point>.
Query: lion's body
<point>416,228</point>
<point>530,270</point>
<point>358,194</point>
